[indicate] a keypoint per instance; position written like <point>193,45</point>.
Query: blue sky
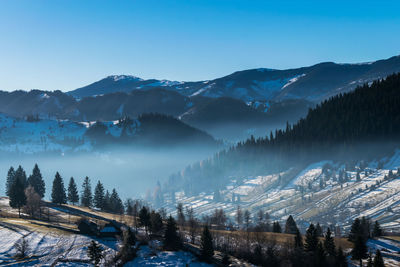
<point>67,44</point>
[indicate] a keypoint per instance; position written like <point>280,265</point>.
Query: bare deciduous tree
<point>33,201</point>
<point>239,216</point>
<point>192,223</point>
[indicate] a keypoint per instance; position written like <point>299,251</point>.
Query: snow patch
<point>293,80</point>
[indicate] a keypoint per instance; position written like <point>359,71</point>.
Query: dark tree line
<point>17,185</point>
<point>155,130</point>
<point>100,199</point>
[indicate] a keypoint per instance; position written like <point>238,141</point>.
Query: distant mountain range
<point>232,107</point>
<point>313,83</point>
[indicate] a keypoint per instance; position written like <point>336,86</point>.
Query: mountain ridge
<point>314,83</point>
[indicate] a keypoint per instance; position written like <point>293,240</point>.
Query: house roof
<point>109,229</point>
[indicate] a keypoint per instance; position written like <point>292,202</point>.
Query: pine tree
<point>172,240</point>
<point>129,237</point>
<point>95,253</point>
<point>329,243</point>
<point>58,195</point>
<point>378,260</point>
<point>86,197</point>
<point>21,175</point>
<point>359,234</point>
<point>98,199</point>
<point>116,204</point>
<point>206,246</point>
<point>276,227</point>
<point>311,241</point>
<point>377,231</point>
<point>298,240</point>
<point>320,257</point>
<point>73,195</point>
<point>365,228</point>
<point>106,204</point>
<point>355,230</point>
<point>127,252</point>
<point>144,218</point>
<point>360,249</point>
<point>17,195</point>
<point>156,223</point>
<point>341,260</point>
<point>10,180</point>
<point>36,181</point>
<point>290,226</point>
<point>271,257</point>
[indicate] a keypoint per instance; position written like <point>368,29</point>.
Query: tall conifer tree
<point>36,181</point>
<point>86,197</point>
<point>206,246</point>
<point>329,243</point>
<point>17,195</point>
<point>73,195</point>
<point>311,241</point>
<point>58,191</point>
<point>98,199</point>
<point>10,180</point>
<point>171,238</point>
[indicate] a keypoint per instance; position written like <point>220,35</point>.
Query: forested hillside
<point>352,125</point>
<point>148,130</point>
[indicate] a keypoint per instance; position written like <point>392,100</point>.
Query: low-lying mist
<point>130,172</point>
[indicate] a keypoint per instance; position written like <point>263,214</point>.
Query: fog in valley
<point>132,173</point>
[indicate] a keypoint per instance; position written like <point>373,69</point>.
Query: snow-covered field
<point>309,199</point>
<point>17,135</point>
<point>390,250</point>
<point>53,248</point>
<point>46,248</point>
<point>148,256</point>
<point>46,135</point>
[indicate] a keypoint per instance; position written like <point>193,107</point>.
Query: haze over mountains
<point>232,107</point>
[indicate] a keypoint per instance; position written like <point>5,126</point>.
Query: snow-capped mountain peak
<point>124,77</point>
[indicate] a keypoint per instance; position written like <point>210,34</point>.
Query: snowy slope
<point>47,249</point>
<point>19,135</point>
<point>374,196</point>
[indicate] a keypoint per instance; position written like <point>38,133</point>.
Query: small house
<point>110,230</point>
<point>87,228</point>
